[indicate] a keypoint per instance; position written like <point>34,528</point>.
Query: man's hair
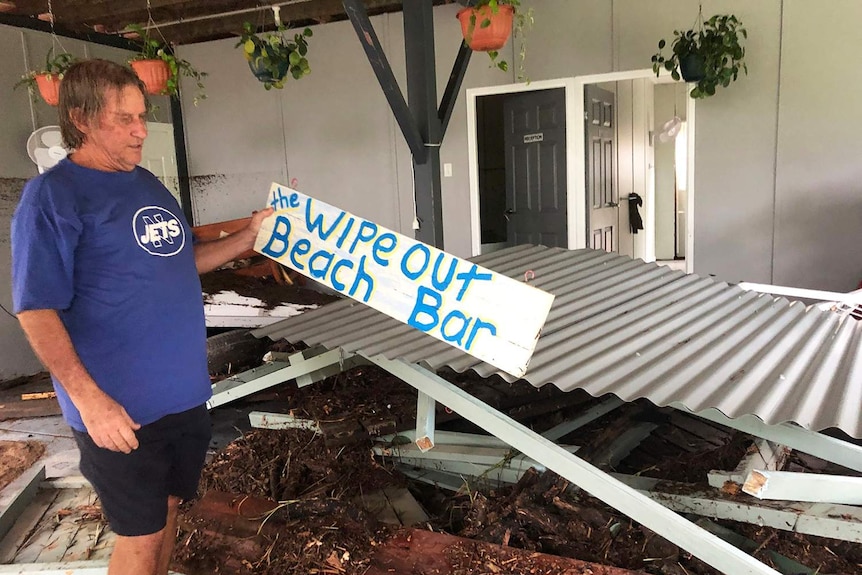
<point>83,91</point>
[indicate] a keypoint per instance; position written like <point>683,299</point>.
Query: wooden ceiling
<point>187,21</point>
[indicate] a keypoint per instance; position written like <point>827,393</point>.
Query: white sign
<point>486,314</point>
<point>530,138</point>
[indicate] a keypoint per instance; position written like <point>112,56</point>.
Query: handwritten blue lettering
<point>415,275</point>
<point>280,233</point>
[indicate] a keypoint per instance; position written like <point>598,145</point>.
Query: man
<point>105,285</point>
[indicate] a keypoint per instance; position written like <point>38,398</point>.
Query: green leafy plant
<point>54,66</point>
<point>522,22</point>
<point>711,52</point>
<point>152,49</point>
<point>274,57</point>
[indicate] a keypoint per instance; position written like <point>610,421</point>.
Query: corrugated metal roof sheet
<point>641,330</point>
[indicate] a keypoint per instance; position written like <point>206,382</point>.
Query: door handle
<point>508,213</point>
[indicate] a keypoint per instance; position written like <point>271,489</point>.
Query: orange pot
<point>49,88</point>
<point>492,37</point>
<point>153,73</point>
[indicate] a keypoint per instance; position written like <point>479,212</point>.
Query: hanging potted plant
<point>47,79</point>
<point>710,54</point>
<point>487,25</point>
<point>274,57</point>
<point>160,70</point>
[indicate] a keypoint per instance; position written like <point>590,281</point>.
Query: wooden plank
<point>264,420</point>
<point>15,498</point>
<point>39,395</point>
<point>712,433</point>
<point>821,519</point>
<point>405,506</point>
<point>813,487</point>
<point>27,522</point>
<point>420,551</point>
<point>446,297</point>
<point>762,454</point>
<point>56,533</point>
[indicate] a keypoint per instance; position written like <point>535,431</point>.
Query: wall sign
<point>488,315</point>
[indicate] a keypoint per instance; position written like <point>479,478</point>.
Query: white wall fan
<point>45,147</point>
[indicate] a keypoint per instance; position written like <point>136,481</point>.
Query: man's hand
<point>210,255</point>
<point>257,218</point>
<point>108,424</point>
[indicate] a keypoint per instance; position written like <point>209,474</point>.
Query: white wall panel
<point>819,183</point>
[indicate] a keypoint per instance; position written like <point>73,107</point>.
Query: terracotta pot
<point>153,73</point>
<point>492,37</point>
<point>49,88</point>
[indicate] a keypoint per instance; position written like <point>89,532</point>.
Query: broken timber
<point>451,466</point>
<point>303,367</point>
<point>763,455</point>
<point>793,436</point>
<point>813,487</point>
<point>653,515</point>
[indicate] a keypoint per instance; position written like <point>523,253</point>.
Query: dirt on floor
<point>324,527</point>
<point>16,457</point>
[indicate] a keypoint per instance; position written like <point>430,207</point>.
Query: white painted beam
<point>610,455</point>
<point>265,420</point>
<point>487,456</point>
<point>709,548</point>
<point>762,454</point>
<point>426,417</point>
<point>822,519</point>
<point>266,376</point>
<point>793,436</point>
<point>450,438</point>
<point>584,418</point>
<point>813,487</point>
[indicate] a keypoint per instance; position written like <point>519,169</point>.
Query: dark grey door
<point>535,140</point>
<point>602,194</point>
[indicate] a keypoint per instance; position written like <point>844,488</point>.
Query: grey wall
<point>19,116</point>
<point>755,142</point>
<point>818,192</point>
<point>332,132</point>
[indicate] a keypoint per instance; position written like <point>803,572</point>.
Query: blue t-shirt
<point>112,253</point>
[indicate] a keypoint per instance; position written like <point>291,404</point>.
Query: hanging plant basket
<point>491,37</point>
<point>266,67</point>
<point>154,74</point>
<point>692,68</point>
<point>49,88</point>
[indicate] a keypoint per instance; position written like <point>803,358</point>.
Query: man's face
<point>115,138</point>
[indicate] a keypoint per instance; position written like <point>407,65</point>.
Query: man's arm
<point>212,254</point>
<point>106,420</point>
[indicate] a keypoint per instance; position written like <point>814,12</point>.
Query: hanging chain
<point>55,41</point>
<point>152,24</point>
<point>698,22</point>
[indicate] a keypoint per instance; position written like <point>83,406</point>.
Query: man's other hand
<point>108,424</point>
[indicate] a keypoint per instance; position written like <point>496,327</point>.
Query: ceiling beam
<point>296,14</point>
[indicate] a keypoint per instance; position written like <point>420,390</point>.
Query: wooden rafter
<point>190,21</point>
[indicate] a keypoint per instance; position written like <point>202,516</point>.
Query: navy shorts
<point>134,488</point>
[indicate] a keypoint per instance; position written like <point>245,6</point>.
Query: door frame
<point>574,213</point>
<point>576,157</point>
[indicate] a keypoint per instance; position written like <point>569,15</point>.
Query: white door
<point>160,156</point>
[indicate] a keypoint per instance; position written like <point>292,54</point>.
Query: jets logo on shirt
<point>158,231</point>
